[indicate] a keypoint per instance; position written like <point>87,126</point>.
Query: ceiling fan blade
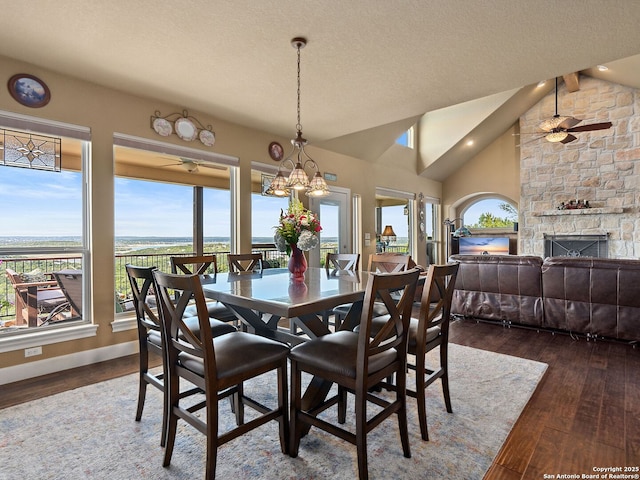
<point>590,127</point>
<point>570,138</point>
<point>209,165</point>
<point>569,122</point>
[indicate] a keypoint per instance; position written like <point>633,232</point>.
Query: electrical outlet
<point>33,351</point>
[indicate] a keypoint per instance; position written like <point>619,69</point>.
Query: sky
<point>39,203</point>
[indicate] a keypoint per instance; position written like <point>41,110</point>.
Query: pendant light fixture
<point>298,160</point>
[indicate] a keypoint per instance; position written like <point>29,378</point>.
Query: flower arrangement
<point>298,228</point>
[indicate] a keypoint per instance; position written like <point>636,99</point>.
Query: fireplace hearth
<point>576,246</point>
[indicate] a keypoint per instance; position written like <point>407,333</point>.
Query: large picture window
<point>43,241</point>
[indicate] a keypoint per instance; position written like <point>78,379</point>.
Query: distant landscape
<point>140,245</point>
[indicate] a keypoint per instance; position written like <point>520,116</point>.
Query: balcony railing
<point>272,257</point>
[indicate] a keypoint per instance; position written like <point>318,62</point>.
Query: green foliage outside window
<point>489,220</point>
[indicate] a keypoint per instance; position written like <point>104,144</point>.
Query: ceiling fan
<point>559,128</point>
<point>192,166</point>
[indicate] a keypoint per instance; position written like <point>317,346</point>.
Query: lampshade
<point>278,186</point>
<point>556,136</point>
<point>388,235</point>
<point>552,123</point>
<point>462,232</point>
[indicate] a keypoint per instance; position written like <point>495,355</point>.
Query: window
<point>406,139</point>
<point>265,212</point>
<point>43,242</point>
<point>167,204</point>
<point>490,213</point>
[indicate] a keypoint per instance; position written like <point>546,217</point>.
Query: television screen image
<point>484,245</point>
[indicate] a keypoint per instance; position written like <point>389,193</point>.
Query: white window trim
<point>47,337</point>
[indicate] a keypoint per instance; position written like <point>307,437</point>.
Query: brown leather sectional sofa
<point>596,297</point>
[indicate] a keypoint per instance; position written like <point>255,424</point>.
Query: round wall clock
<point>28,90</point>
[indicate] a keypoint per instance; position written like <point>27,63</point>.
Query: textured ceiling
<point>367,63</point>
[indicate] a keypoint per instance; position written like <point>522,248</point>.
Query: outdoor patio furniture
<point>70,282</point>
<point>33,299</point>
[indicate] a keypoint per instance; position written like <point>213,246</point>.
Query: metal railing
<point>46,264</point>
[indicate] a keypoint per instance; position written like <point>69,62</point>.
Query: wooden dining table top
<point>274,292</point>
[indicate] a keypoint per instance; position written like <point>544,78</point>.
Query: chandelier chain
<point>299,125</point>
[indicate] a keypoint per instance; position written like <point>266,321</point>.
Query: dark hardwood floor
<point>585,412</point>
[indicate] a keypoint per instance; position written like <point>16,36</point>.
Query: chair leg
<point>212,435</point>
<point>295,429</point>
<point>401,396</point>
<point>142,389</point>
<point>361,431</point>
<point>283,391</point>
<point>238,405</point>
<point>444,365</point>
<point>342,404</point>
<point>172,425</point>
<point>420,395</point>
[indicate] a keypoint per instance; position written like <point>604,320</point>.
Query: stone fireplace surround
<point>602,167</point>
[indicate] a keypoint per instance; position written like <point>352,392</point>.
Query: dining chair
<point>378,263</point>
<point>338,264</point>
<point>218,366</point>
<point>200,265</point>
<point>429,331</point>
<point>245,262</point>
<point>357,362</point>
<point>150,338</point>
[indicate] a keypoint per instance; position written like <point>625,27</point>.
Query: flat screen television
<point>483,246</point>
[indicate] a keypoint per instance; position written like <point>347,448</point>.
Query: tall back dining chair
<point>357,362</point>
<point>429,331</point>
<point>378,263</point>
<point>217,366</point>
<point>200,265</point>
<point>149,338</point>
<point>339,264</point>
<point>245,262</point>
<point>388,262</point>
<point>342,262</point>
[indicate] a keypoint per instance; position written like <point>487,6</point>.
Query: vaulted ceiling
<point>371,69</point>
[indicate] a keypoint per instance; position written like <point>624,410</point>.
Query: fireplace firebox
<point>576,245</point>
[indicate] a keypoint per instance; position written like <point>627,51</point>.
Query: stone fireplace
<point>576,246</point>
<point>601,167</point>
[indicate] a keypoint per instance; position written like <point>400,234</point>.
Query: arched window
<point>490,213</point>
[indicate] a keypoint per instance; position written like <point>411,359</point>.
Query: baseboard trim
<point>65,362</point>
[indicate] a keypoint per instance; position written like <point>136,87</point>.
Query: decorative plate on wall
<point>29,91</point>
<point>162,127</point>
<point>275,151</point>
<point>185,129</point>
<point>207,137</point>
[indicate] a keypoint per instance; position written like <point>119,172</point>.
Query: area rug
<point>90,432</point>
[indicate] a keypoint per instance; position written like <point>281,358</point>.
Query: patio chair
<point>70,282</point>
<point>34,298</point>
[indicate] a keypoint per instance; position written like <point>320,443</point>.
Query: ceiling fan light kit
<point>558,128</point>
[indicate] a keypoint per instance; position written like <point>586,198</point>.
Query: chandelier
<point>298,160</point>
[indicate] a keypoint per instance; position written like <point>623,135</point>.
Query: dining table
<point>261,299</point>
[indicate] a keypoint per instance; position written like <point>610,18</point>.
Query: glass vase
<point>297,264</point>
